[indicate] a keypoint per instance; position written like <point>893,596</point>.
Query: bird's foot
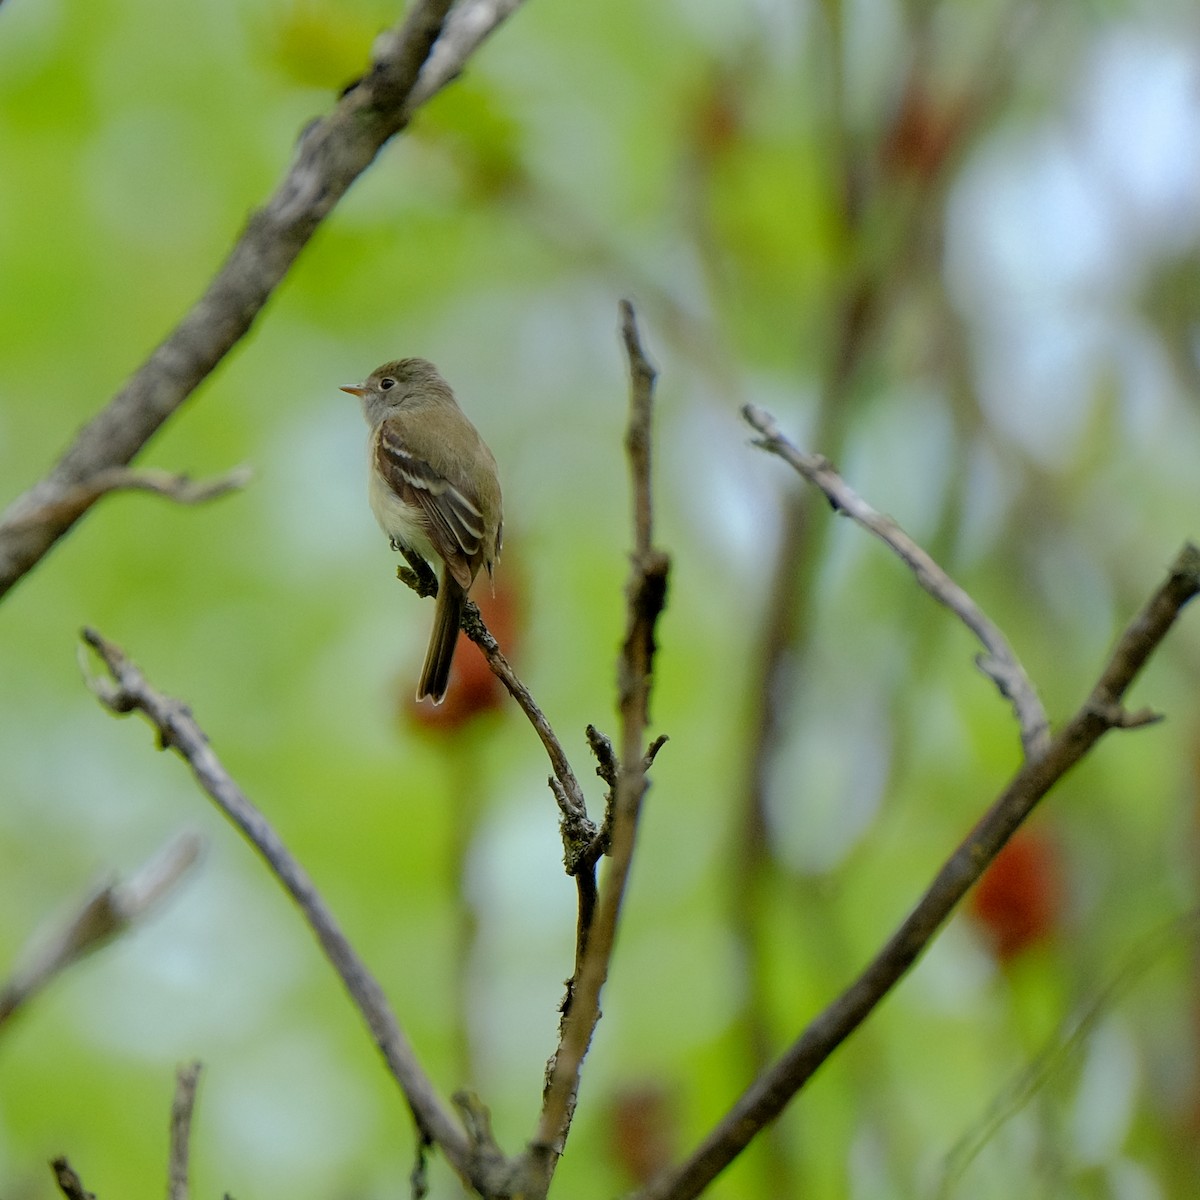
<point>418,575</point>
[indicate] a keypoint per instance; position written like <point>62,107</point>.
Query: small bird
<point>435,491</point>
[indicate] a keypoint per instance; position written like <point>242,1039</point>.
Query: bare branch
<point>330,155</point>
<point>580,838</point>
<point>106,913</point>
<point>645,597</point>
<point>68,1182</point>
<point>767,1096</point>
<point>186,1080</point>
<point>653,749</point>
<point>606,757</point>
<point>998,661</point>
<point>468,24</point>
<point>638,435</point>
<point>583,843</point>
<point>77,500</point>
<point>127,690</point>
<point>571,797</point>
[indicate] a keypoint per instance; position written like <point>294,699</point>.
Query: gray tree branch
<point>645,595</point>
<point>582,843</point>
<point>469,24</point>
<point>125,689</point>
<point>999,662</point>
<point>568,791</point>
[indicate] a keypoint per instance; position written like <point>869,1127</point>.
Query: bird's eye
<point>387,383</point>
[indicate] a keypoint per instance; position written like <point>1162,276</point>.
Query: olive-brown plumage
<point>435,491</point>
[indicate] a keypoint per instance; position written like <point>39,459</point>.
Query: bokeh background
<point>954,246</point>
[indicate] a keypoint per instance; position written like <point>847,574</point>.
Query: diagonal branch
<point>568,785</point>
<point>330,155</point>
<point>767,1096</point>
<point>105,914</point>
<point>125,690</point>
<point>581,840</point>
<point>645,598</point>
<point>998,661</point>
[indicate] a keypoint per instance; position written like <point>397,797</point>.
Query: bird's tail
<point>447,618</point>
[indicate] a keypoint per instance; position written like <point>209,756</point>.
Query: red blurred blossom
<point>924,132</point>
<point>715,117</point>
<point>642,1130</point>
<point>1019,901</point>
<point>473,689</point>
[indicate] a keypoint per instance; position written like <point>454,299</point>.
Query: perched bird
<point>435,491</point>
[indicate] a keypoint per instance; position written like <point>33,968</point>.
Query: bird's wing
<point>454,522</point>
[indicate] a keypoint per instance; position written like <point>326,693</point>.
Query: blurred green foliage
<point>908,230</point>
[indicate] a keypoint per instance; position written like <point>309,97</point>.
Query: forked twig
<point>998,661</point>
<point>468,24</point>
<point>645,598</point>
<point>580,836</point>
<point>125,689</point>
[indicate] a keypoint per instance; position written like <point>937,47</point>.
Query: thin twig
<point>638,435</point>
<point>126,689</point>
<point>68,1182</point>
<point>582,842</point>
<point>331,153</point>
<point>998,661</point>
<point>179,488</point>
<point>474,627</point>
<point>108,912</point>
<point>645,598</point>
<point>186,1080</point>
<point>767,1096</point>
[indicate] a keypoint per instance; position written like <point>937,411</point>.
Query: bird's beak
<point>355,389</point>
